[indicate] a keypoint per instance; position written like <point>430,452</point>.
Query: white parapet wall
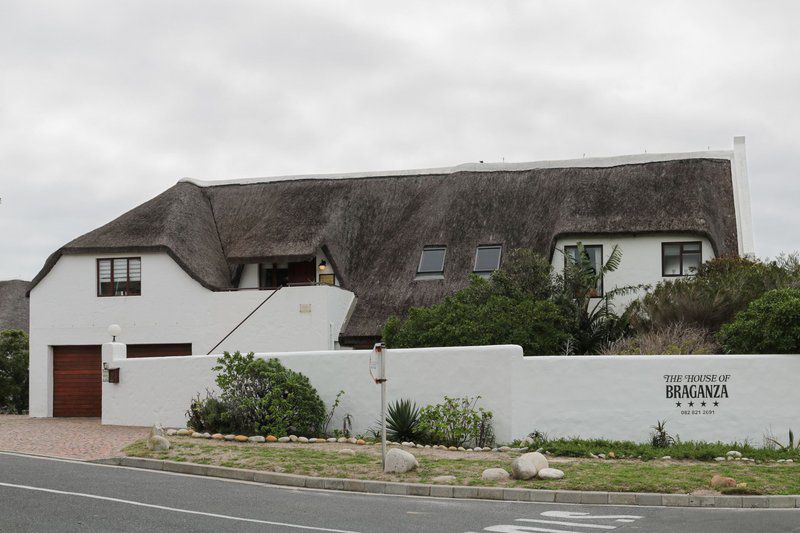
<point>613,397</point>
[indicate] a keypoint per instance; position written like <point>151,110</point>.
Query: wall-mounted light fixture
<point>323,265</point>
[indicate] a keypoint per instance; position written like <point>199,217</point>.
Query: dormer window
<point>487,259</point>
<point>119,277</point>
<point>431,262</point>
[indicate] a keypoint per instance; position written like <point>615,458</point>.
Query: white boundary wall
<point>615,397</point>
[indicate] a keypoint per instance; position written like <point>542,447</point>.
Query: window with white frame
<point>431,262</point>
<point>487,258</point>
<point>594,253</point>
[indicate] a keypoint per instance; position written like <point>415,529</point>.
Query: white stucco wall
<point>173,308</point>
<point>641,258</point>
<point>614,397</point>
<point>160,390</point>
<point>620,397</point>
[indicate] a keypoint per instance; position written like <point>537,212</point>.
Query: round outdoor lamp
<point>114,330</point>
<point>323,265</point>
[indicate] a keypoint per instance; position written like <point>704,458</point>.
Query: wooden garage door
<point>158,350</point>
<point>77,381</point>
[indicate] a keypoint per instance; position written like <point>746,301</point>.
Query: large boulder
<point>495,474</point>
<point>400,461</point>
<point>157,443</point>
<point>527,465</point>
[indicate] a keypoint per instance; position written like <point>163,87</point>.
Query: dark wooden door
<point>303,271</point>
<point>158,350</point>
<point>77,381</point>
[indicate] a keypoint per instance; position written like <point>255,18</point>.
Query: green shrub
<point>259,396</point>
<point>536,325</point>
<point>457,422</point>
<point>402,421</point>
<point>770,324</point>
<point>13,371</point>
<point>675,339</point>
<point>721,288</point>
<point>209,414</point>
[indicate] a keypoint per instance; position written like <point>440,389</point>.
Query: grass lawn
<point>580,474</point>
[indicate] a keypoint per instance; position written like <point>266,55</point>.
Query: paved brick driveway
<point>74,438</point>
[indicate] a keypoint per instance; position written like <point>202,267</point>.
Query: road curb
<point>459,491</point>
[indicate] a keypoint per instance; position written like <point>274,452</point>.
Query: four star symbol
<point>702,404</point>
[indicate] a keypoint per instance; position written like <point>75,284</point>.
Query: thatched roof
<point>14,308</point>
<point>373,228</point>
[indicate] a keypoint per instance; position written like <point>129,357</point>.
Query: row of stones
<point>449,491</point>
<point>186,432</point>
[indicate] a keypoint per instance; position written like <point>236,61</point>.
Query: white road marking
<point>173,509</point>
<point>560,523</point>
<point>515,528</point>
<point>586,516</point>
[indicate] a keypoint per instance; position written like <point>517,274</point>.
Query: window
<point>327,279</point>
<point>119,277</point>
<point>431,263</point>
<point>595,254</point>
<point>487,259</point>
<point>272,276</point>
<point>681,258</point>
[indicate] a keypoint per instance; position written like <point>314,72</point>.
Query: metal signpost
<point>380,351</point>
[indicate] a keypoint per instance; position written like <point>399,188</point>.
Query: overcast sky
<point>103,105</point>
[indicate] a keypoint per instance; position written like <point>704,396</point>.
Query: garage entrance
<point>77,387</point>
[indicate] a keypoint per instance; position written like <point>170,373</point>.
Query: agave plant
<point>402,421</point>
<point>791,446</point>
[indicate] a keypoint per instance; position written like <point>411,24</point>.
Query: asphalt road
<point>40,494</point>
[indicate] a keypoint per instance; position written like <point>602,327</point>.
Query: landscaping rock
<point>718,459</point>
<point>352,440</point>
<point>611,455</point>
<point>218,436</point>
<point>341,439</point>
<point>284,439</point>
<point>601,455</point>
<point>487,449</point>
<point>196,435</point>
<point>527,465</point>
<point>183,432</point>
<point>462,449</point>
<point>241,438</point>
<point>495,449</point>
<point>171,432</point>
<point>452,449</point>
<point>206,435</point>
<point>593,456</point>
<point>527,441</point>
<point>361,442</point>
<point>157,443</point>
<point>312,440</point>
<point>550,473</point>
<point>495,474</point>
<point>443,479</point>
<point>400,461</point>
<point>332,439</point>
<point>257,438</point>
<point>720,482</point>
<point>666,458</point>
<point>734,453</point>
<point>229,437</point>
<point>293,438</point>
<point>476,449</point>
<point>303,440</point>
<point>789,461</point>
<point>347,451</point>
<point>504,449</point>
<point>407,444</point>
<point>272,438</point>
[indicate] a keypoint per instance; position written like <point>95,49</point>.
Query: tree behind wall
<point>13,371</point>
<point>512,307</point>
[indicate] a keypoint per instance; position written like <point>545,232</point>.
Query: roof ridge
<point>585,162</point>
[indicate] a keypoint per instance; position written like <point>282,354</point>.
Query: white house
<point>310,263</point>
